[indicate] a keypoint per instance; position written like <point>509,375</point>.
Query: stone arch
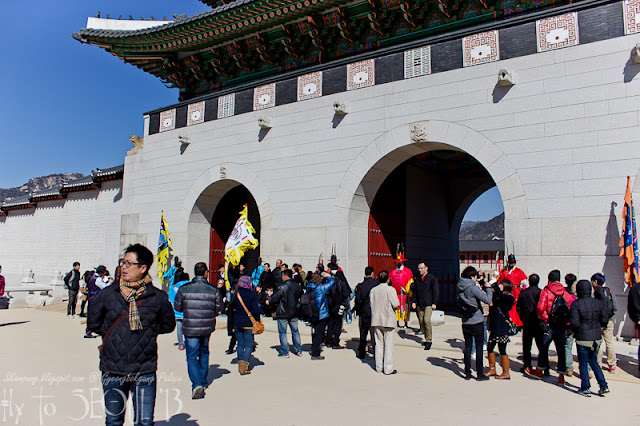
<point>202,199</point>
<point>389,150</point>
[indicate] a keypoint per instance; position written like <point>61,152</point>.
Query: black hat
<point>511,258</point>
<point>101,269</point>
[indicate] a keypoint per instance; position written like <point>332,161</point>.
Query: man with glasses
<point>129,315</point>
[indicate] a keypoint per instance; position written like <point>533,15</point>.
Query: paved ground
<point>49,377</point>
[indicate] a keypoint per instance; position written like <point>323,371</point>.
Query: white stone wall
<point>559,144</point>
<point>85,228</point>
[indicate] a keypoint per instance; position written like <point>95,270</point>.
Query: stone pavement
<point>49,376</point>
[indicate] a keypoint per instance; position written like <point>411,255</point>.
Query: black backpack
<point>307,307</point>
<point>464,308</point>
<point>559,313</point>
<point>66,280</point>
<point>607,300</point>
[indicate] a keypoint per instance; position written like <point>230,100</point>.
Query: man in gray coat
<point>384,301</point>
<point>200,302</point>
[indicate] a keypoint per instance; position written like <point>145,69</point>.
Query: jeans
<point>588,356</point>
<point>73,300</point>
<point>319,330</point>
<point>568,350</point>
<point>530,332</point>
<point>484,336</point>
<point>347,314</point>
<point>179,331</point>
<point>557,334</point>
<point>245,343</point>
<point>471,333</point>
<point>116,392</point>
<point>295,335</point>
<point>197,349</point>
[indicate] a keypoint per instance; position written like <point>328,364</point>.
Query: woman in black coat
<point>242,324</point>
<point>588,316</point>
<point>502,303</point>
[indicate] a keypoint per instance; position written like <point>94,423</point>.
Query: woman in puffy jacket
<point>588,316</point>
<point>242,323</point>
<point>503,301</point>
<point>180,278</point>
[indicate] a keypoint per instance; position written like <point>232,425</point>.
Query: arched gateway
<point>429,228</point>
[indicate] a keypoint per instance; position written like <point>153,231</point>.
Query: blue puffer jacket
<point>321,298</point>
<point>172,297</point>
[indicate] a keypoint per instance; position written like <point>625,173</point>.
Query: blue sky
<point>70,107</point>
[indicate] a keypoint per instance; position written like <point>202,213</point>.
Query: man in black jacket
<point>129,315</point>
<point>200,302</point>
<point>286,299</point>
<point>363,309</point>
<point>527,310</point>
<point>337,298</point>
<point>424,296</point>
<point>72,280</point>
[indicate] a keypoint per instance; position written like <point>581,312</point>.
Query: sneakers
<point>612,369</point>
<point>317,358</point>
<point>298,354</point>
<point>229,351</point>
<point>76,316</point>
<point>602,391</point>
<point>69,316</point>
<point>89,336</point>
<point>535,372</point>
<point>427,346</point>
<point>198,393</point>
<point>284,355</point>
<point>181,347</point>
<point>584,392</point>
<point>393,372</point>
<point>569,373</point>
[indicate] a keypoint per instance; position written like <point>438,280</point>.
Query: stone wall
<point>84,227</point>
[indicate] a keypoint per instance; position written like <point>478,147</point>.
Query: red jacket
<point>548,295</point>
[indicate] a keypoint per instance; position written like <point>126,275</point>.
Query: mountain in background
<point>38,184</point>
<point>483,230</point>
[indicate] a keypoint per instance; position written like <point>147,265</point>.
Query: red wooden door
<point>216,254</point>
<point>380,256</point>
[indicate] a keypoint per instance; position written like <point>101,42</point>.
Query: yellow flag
<point>240,240</point>
<point>164,242</point>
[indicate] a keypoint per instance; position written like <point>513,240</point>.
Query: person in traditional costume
<point>401,280</point>
<point>519,280</point>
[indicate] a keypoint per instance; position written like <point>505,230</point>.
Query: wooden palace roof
<point>244,40</point>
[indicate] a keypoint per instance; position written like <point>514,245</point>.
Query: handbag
<point>258,326</point>
<point>512,327</point>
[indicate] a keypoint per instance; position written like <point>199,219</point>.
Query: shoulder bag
<point>116,323</point>
<point>258,326</point>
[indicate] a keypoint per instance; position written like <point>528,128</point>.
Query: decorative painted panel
<point>310,86</point>
<point>557,32</point>
<point>360,74</point>
<point>168,120</point>
<point>195,113</point>
<point>480,48</point>
<point>631,11</point>
<point>417,62</point>
<point>264,96</point>
<point>226,105</point>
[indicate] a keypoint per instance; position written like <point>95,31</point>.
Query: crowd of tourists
<point>130,314</point>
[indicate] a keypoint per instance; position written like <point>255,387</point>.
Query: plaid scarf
<point>130,292</point>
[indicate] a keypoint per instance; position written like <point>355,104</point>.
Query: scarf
<point>245,282</point>
<point>130,292</point>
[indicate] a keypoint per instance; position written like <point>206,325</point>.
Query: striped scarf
<point>130,292</point>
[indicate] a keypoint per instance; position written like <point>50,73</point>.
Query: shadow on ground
<point>182,419</point>
<point>14,323</point>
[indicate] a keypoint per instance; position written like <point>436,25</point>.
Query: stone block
<point>515,208</point>
<point>524,236</point>
<point>549,190</point>
<point>488,154</point>
<point>501,168</point>
<point>578,236</point>
<point>559,157</point>
<point>510,187</point>
<point>473,142</point>
<point>550,174</point>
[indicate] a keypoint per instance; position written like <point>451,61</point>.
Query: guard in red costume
<point>518,279</point>
<point>401,279</point>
